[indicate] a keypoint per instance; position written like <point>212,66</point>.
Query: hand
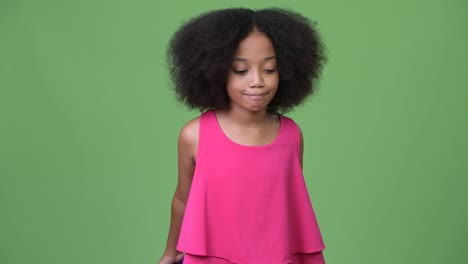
<point>172,259</point>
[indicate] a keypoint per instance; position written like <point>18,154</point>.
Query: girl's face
<point>253,79</point>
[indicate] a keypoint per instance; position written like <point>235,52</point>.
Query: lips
<point>255,97</point>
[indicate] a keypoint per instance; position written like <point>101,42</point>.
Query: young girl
<point>241,196</point>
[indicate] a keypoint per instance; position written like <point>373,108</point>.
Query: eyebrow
<point>265,59</point>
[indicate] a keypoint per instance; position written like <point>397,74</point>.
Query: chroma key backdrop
<point>89,126</point>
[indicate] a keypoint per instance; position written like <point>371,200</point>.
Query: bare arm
<point>187,146</point>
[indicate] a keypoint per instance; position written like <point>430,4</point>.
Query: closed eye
<point>270,71</point>
<point>241,72</point>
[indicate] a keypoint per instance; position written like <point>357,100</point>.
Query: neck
<point>245,117</point>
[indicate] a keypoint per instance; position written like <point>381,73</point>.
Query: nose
<point>257,80</point>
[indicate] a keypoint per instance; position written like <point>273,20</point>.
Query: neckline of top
<point>278,133</point>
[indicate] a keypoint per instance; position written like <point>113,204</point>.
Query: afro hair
<point>201,52</point>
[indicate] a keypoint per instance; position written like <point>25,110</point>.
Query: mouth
<point>256,97</point>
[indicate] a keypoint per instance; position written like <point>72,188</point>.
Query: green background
<point>89,125</point>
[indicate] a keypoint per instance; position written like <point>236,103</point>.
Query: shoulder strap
<point>291,131</point>
<point>207,132</point>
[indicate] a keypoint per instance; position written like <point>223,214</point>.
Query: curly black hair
<point>201,52</point>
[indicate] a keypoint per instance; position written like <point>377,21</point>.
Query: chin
<point>257,108</point>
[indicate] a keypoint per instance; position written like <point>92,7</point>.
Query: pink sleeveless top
<point>249,204</point>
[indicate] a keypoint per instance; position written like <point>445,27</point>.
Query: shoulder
<point>299,130</point>
<point>189,132</point>
<point>289,122</point>
<point>293,128</point>
<point>298,136</point>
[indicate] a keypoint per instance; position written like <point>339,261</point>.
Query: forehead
<point>255,46</point>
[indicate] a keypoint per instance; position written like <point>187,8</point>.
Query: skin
<point>252,83</point>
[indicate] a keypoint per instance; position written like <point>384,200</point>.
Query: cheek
<point>274,82</point>
<point>233,84</point>
<point>231,90</point>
